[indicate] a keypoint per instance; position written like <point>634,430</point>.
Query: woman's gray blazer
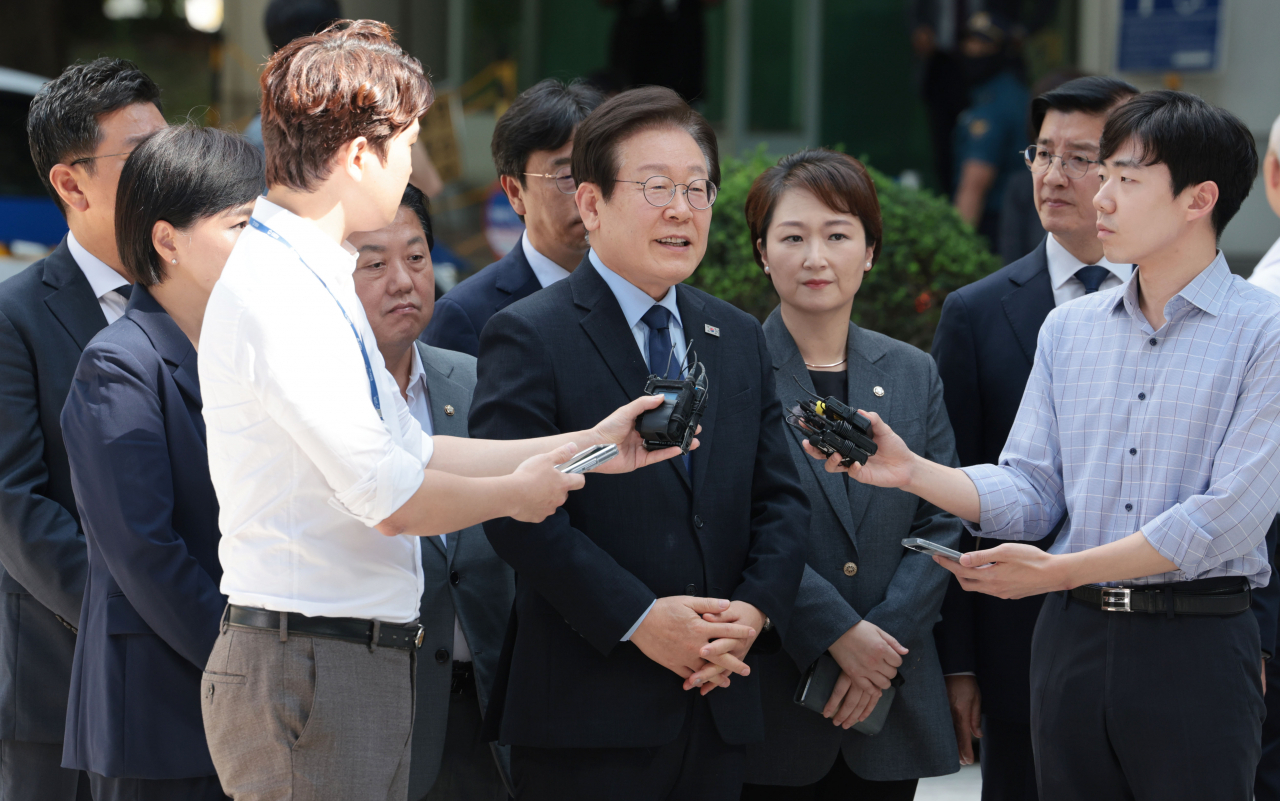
<point>859,531</point>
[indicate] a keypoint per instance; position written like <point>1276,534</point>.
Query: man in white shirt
<point>532,146</point>
<point>1267,273</point>
<point>81,126</point>
<point>309,689</point>
<point>468,590</point>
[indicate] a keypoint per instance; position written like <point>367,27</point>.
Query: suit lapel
<point>517,279</point>
<point>695,319</point>
<point>172,345</point>
<point>442,392</point>
<point>788,368</point>
<point>1030,301</point>
<point>864,379</point>
<point>608,331</point>
<point>72,302</point>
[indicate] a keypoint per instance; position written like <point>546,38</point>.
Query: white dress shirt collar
<point>1063,267</point>
<point>418,396</point>
<point>327,258</point>
<point>101,277</point>
<point>546,270</point>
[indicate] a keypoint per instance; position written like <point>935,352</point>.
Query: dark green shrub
<point>927,253</point>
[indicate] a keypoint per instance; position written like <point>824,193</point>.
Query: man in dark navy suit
<point>81,126</point>
<point>984,347</point>
<point>608,685</point>
<point>532,147</point>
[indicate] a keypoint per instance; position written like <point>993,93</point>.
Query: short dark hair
<point>1198,142</point>
<point>415,201</point>
<point>62,124</point>
<point>1093,94</point>
<point>541,118</point>
<point>286,20</point>
<point>320,92</point>
<point>595,146</point>
<point>838,180</point>
<point>182,175</point>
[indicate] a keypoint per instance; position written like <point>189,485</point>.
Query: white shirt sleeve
<point>308,373</point>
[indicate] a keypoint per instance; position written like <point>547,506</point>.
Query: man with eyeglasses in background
<point>984,346</point>
<point>532,146</point>
<point>82,126</point>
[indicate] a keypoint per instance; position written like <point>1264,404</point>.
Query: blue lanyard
<point>368,366</point>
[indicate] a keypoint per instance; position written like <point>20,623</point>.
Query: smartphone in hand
<point>931,548</point>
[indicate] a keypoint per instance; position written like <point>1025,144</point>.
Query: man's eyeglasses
<point>88,159</point>
<point>1074,164</point>
<point>563,178</point>
<point>661,190</point>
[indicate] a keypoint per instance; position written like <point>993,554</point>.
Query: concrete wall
<point>1246,85</point>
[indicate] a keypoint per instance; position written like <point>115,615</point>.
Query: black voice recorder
<point>683,401</point>
<point>832,427</point>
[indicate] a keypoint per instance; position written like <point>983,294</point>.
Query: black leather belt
<point>1225,595</point>
<point>372,633</point>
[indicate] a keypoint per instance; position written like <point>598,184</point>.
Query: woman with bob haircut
<point>864,599</point>
<point>136,442</point>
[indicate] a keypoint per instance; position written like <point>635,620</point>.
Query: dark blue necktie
<point>662,362</point>
<point>1092,277</point>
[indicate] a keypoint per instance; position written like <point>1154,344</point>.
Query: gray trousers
<point>34,772</point>
<point>308,718</point>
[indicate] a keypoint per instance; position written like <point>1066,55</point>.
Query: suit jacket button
<point>697,521</point>
<point>850,569</point>
<point>442,656</point>
<point>454,578</point>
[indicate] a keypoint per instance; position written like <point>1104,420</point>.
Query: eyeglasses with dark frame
<point>563,178</point>
<point>88,159</point>
<point>660,190</point>
<point>1074,163</point>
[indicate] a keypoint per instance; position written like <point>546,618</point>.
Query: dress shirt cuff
<point>1178,539</point>
<point>394,481</point>
<point>627,637</point>
<point>960,673</point>
<point>997,500</point>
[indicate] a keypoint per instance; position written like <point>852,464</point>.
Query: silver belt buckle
<point>1115,599</point>
<point>422,633</point>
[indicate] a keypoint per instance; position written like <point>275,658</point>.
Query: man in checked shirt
<point>1152,416</point>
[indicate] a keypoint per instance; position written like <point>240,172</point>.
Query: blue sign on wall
<point>1170,35</point>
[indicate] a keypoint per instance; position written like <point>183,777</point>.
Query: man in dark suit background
<point>984,347</point>
<point>532,147</point>
<point>81,126</point>
<point>467,589</point>
<point>612,588</point>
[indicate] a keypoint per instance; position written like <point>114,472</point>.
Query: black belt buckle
<point>1116,599</point>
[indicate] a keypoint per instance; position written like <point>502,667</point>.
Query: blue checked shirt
<point>1172,432</point>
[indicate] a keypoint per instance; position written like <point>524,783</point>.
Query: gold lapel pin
<point>449,409</point>
<point>878,391</point>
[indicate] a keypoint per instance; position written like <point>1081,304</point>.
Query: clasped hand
<point>701,640</point>
<point>869,658</point>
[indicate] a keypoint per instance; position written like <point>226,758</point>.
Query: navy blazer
<point>48,314</point>
<point>984,347</point>
<point>462,312</point>
<point>151,611</point>
<point>562,360</point>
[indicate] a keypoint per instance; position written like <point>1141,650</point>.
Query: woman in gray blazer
<point>864,598</point>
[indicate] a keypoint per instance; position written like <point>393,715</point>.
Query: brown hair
<point>595,145</point>
<point>320,92</point>
<point>838,180</point>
